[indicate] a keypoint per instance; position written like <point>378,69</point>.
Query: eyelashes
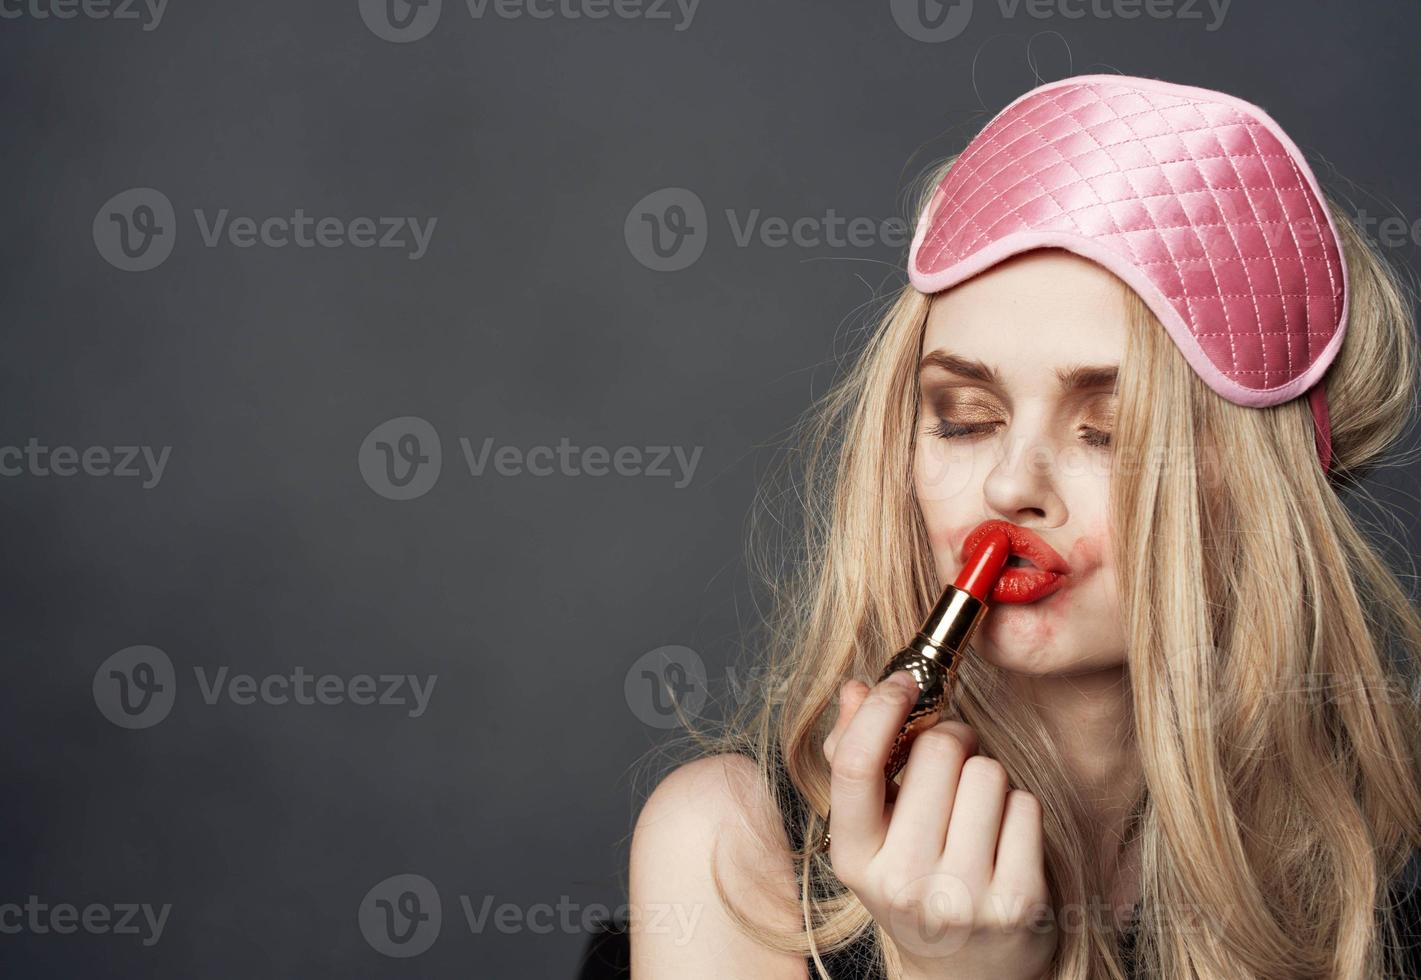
<point>1095,437</point>
<point>943,429</point>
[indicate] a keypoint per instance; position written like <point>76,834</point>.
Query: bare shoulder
<point>715,806</point>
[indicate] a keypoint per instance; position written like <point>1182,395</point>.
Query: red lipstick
<point>931,656</point>
<point>985,561</point>
<point>1036,569</point>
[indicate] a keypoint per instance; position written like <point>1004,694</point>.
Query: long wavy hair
<point>1271,652</point>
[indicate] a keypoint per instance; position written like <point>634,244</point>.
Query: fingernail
<point>904,679</point>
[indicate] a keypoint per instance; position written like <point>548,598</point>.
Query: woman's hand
<point>952,868</point>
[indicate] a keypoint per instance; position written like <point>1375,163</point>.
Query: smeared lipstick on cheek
<point>1090,549</point>
<point>1034,625</point>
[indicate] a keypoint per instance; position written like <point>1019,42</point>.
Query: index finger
<point>857,783</point>
<point>851,695</point>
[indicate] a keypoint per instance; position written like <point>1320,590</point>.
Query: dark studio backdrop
<point>385,392</point>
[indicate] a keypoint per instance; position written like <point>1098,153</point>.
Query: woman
<point>1195,758</point>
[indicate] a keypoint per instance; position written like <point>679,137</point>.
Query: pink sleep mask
<point>1198,200</point>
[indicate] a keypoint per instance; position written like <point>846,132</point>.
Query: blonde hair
<point>1270,649</point>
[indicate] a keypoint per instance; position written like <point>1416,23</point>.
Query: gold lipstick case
<point>931,657</point>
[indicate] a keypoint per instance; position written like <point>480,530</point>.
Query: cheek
<point>944,527</point>
<point>944,513</point>
<point>1097,602</point>
<point>1090,550</point>
<point>1093,561</point>
<point>943,473</point>
<point>947,482</point>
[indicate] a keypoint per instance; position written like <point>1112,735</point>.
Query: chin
<point>1036,640</point>
<point>1045,663</point>
<point>1017,659</point>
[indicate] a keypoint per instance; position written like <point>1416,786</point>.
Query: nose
<point>1021,487</point>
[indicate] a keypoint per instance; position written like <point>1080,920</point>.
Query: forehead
<point>1034,311</point>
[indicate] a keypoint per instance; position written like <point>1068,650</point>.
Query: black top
<point>607,956</point>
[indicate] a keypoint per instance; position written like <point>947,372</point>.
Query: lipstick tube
<point>932,655</point>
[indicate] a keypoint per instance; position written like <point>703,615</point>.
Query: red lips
<point>1022,584</point>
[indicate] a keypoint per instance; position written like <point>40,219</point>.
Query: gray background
<point>529,319</point>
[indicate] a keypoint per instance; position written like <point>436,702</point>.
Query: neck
<point>1088,716</point>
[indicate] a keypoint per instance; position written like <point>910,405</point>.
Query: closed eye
<point>944,429</point>
<point>1095,437</point>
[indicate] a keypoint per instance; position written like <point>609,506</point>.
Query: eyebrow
<point>1073,378</point>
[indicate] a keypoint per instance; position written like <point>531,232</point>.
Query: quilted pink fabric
<point>1198,200</point>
